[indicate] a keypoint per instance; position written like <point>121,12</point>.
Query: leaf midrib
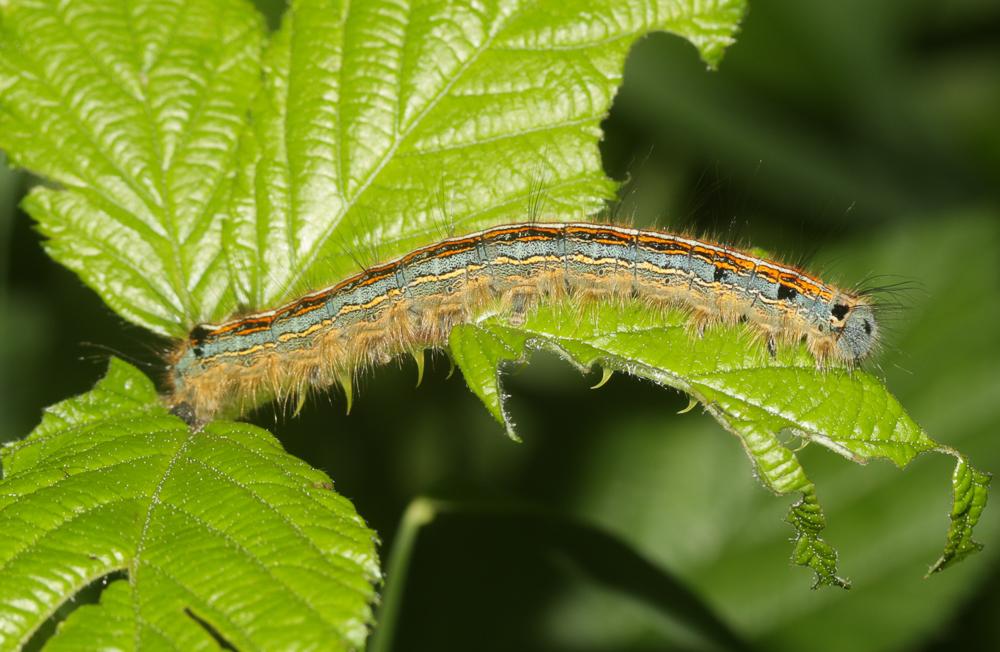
<point>136,561</point>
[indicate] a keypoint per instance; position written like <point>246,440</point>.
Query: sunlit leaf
<point>134,110</point>
<point>383,125</point>
<point>756,397</point>
<point>204,535</point>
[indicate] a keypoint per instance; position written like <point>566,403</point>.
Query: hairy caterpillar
<point>412,303</point>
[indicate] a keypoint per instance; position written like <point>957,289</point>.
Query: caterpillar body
<point>414,301</point>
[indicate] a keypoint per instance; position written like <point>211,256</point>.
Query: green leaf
<point>480,354</point>
<point>384,124</point>
<point>134,110</point>
<point>754,396</point>
<point>219,533</point>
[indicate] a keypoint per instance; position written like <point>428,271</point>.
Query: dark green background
<point>863,137</point>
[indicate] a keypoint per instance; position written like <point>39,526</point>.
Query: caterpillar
<point>412,303</point>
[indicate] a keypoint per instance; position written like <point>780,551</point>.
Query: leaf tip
<point>606,374</point>
<point>692,402</point>
<point>419,355</point>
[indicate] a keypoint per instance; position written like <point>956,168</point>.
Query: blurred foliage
<point>860,135</point>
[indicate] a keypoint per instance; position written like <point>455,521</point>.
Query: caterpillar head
<point>853,324</point>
